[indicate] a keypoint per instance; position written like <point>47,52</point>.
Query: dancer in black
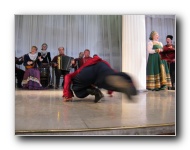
<point>94,74</point>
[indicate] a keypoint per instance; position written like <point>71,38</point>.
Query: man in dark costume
<point>94,74</point>
<point>59,72</point>
<point>19,72</point>
<point>168,54</point>
<point>78,61</point>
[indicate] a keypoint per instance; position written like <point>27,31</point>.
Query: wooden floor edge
<point>91,129</point>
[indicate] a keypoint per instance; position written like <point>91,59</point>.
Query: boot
<point>98,94</point>
<point>120,84</point>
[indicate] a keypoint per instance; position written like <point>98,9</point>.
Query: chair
<point>44,74</point>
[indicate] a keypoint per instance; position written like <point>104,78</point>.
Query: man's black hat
<point>169,36</point>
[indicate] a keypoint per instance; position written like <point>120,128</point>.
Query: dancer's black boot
<point>98,94</point>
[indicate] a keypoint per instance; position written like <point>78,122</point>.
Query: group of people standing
<point>161,63</point>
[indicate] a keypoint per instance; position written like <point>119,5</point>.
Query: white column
<point>134,48</point>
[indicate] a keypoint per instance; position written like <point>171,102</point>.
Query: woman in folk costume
<point>45,55</point>
<point>31,78</point>
<point>158,76</point>
<point>45,66</point>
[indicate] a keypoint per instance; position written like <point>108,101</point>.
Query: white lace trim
<point>30,78</point>
<point>33,56</point>
<point>44,53</point>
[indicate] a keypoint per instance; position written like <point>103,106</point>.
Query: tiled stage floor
<point>43,112</point>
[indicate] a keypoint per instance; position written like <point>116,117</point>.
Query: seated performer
<point>78,61</point>
<point>86,56</point>
<point>45,55</point>
<point>96,73</point>
<point>83,58</point>
<point>59,72</point>
<point>168,55</point>
<point>19,72</point>
<point>31,78</point>
<point>45,64</point>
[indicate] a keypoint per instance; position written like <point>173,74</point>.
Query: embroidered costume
<point>31,79</point>
<point>158,76</point>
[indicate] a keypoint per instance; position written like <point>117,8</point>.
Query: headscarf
<point>45,44</point>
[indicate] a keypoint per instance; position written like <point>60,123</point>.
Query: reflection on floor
<point>43,112</point>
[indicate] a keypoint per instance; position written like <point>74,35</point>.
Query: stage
<point>43,112</point>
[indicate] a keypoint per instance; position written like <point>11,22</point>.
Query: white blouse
<point>150,45</point>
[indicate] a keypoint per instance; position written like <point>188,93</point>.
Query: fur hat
<point>169,36</point>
